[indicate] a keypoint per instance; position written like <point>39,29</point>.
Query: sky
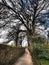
<point>42,32</point>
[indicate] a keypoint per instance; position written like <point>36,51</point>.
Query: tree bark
<point>29,39</point>
<point>16,40</point>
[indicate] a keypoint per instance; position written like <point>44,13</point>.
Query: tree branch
<point>17,14</point>
<point>40,10</point>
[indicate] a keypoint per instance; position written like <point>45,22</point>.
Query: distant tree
<point>27,12</point>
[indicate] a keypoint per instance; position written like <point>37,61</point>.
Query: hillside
<point>8,55</point>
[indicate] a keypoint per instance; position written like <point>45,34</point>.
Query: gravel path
<point>25,59</point>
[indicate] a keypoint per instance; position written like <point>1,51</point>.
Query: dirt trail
<point>25,59</point>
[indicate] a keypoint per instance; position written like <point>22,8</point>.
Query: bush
<point>41,53</point>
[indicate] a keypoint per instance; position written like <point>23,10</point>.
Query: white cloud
<point>23,28</point>
<point>40,30</point>
<point>24,42</point>
<point>47,29</point>
<point>11,42</point>
<point>43,11</point>
<point>1,21</point>
<point>4,32</point>
<point>0,0</point>
<point>3,40</point>
<point>9,3</point>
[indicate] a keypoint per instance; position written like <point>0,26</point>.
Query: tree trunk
<point>29,39</point>
<point>16,39</point>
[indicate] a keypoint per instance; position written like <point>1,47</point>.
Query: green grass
<point>41,53</point>
<point>44,62</point>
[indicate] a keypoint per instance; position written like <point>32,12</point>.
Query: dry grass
<point>8,55</point>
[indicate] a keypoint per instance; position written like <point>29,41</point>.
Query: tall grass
<point>40,50</point>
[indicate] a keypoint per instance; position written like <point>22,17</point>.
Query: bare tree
<point>27,12</point>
